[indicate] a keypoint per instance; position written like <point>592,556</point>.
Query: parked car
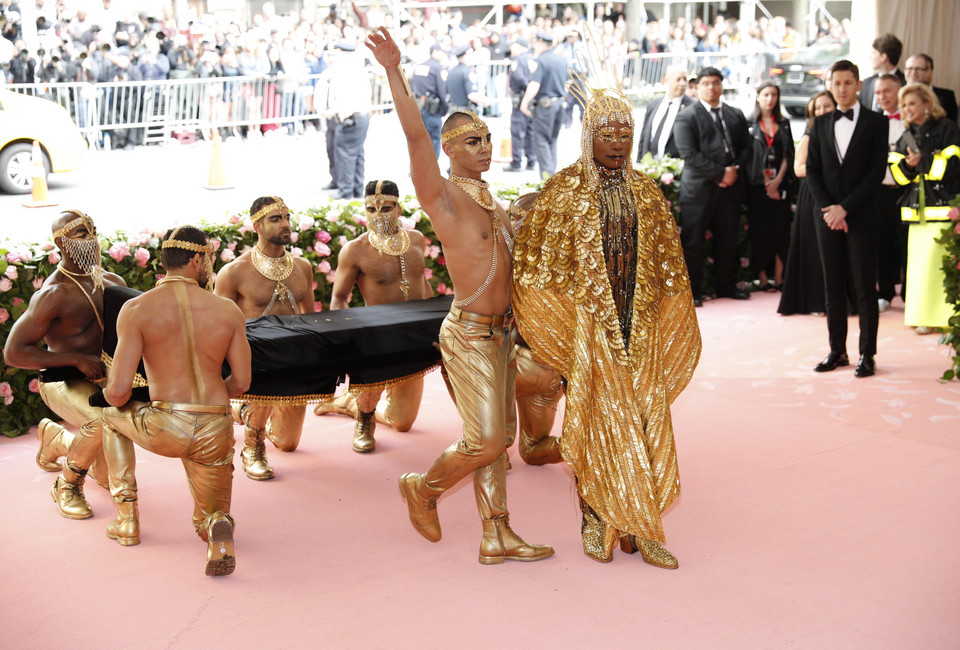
<point>24,119</point>
<point>801,75</point>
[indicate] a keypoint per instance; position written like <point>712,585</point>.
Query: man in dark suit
<point>845,166</point>
<point>713,141</point>
<point>919,70</point>
<point>884,56</point>
<point>656,136</point>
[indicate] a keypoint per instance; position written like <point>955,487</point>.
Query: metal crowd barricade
<point>741,69</point>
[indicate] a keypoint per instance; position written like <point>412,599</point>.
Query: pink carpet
<point>818,511</point>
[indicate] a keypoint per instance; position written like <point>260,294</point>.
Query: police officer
<point>545,91</point>
<point>462,84</point>
<point>521,126</point>
<point>429,86</point>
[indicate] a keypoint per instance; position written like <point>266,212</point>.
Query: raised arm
<point>424,170</point>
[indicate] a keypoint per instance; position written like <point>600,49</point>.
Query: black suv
<point>800,75</point>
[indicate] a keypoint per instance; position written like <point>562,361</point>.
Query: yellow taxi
<point>24,119</point>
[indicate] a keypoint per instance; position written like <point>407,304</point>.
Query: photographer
<point>22,66</point>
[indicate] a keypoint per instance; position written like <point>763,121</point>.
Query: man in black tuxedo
<point>919,70</point>
<point>656,136</point>
<point>845,166</point>
<point>884,56</point>
<point>713,141</point>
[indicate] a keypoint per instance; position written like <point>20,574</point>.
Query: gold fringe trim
<point>139,381</point>
<point>273,400</point>
<point>356,389</point>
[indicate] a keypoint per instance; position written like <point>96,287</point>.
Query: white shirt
<point>843,131</point>
<point>896,129</point>
<point>667,113</point>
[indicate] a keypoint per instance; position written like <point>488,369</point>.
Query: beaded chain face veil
<point>385,233</point>
<point>83,250</point>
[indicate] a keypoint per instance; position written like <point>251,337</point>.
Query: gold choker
<point>477,190</point>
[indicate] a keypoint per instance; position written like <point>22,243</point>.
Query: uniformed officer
<point>521,126</point>
<point>429,86</point>
<point>545,91</point>
<point>462,85</point>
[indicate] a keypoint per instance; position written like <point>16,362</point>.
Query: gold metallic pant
<point>401,404</point>
<point>283,425</point>
<point>70,400</point>
<point>539,389</point>
<point>481,367</point>
<point>203,440</point>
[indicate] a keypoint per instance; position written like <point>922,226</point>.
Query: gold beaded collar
<point>477,190</point>
<point>268,210</point>
<point>476,124</point>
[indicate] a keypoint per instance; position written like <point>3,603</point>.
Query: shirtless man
<point>268,281</point>
<point>183,334</point>
<point>67,315</point>
<point>387,263</point>
<point>476,344</point>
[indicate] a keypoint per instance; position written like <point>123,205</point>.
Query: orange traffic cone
<point>217,180</point>
<point>38,193</point>
<point>505,147</point>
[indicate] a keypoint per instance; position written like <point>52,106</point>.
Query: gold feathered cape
<point>617,433</point>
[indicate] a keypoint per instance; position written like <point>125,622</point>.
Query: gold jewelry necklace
<point>477,190</point>
<point>277,269</point>
<point>177,278</point>
<point>395,244</point>
<point>72,275</point>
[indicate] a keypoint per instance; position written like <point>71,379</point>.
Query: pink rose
<point>427,273</point>
<point>5,389</point>
<point>234,218</point>
<point>12,272</point>
<point>17,302</point>
<point>426,241</point>
<point>294,237</point>
<point>296,252</point>
<point>4,315</point>
<point>5,285</point>
<point>744,262</point>
<point>407,223</point>
<point>667,178</point>
<point>324,266</point>
<point>442,288</point>
<point>38,282</point>
<point>227,255</point>
<point>119,251</point>
<point>353,229</point>
<point>342,240</point>
<point>34,385</point>
<point>432,252</point>
<point>7,401</point>
<point>708,235</point>
<point>360,220</point>
<point>954,214</point>
<point>323,236</point>
<point>322,249</point>
<point>331,276</point>
<point>13,258</point>
<point>53,257</point>
<point>142,256</point>
<point>306,223</point>
<point>245,248</point>
<point>956,229</point>
<point>315,285</point>
<point>46,247</point>
<point>232,246</point>
<point>216,243</point>
<point>244,229</point>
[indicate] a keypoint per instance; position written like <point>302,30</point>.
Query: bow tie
<point>893,116</point>
<point>838,114</point>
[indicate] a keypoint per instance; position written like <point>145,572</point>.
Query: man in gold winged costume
<point>602,295</point>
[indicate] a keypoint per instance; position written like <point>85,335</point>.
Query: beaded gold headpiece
<point>82,218</point>
<point>476,124</point>
<point>206,249</point>
<point>269,209</point>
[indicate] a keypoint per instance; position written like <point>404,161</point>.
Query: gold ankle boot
<point>52,445</point>
<point>221,560</point>
<point>500,543</point>
<point>254,456</point>
<point>651,550</point>
<point>363,441</point>
<point>126,527</point>
<point>346,404</point>
<point>423,509</point>
<point>599,539</point>
<point>545,452</point>
<point>67,493</point>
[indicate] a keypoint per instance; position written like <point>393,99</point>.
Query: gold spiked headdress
<point>476,124</point>
<point>277,206</point>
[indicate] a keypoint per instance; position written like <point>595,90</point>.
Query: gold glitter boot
<point>500,543</point>
<point>221,560</point>
<point>545,452</point>
<point>54,443</point>
<point>363,441</point>
<point>346,404</point>
<point>599,539</point>
<point>67,493</point>
<point>126,527</point>
<point>254,455</point>
<point>651,550</point>
<point>422,509</point>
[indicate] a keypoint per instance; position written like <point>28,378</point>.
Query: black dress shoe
<point>866,367</point>
<point>698,301</point>
<point>512,168</point>
<point>833,361</point>
<point>330,186</point>
<point>736,294</point>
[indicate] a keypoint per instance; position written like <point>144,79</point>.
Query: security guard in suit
<point>429,86</point>
<point>545,91</point>
<point>521,126</point>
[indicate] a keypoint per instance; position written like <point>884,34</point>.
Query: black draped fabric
<point>803,291</point>
<point>305,356</point>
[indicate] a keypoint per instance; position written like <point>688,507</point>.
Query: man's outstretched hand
<point>384,48</point>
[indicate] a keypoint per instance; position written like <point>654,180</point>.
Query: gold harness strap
<point>197,388</point>
<point>86,295</point>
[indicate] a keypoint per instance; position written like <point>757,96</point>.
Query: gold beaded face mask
<point>277,207</point>
<point>207,250</point>
<point>382,221</point>
<point>78,241</point>
<point>476,124</point>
